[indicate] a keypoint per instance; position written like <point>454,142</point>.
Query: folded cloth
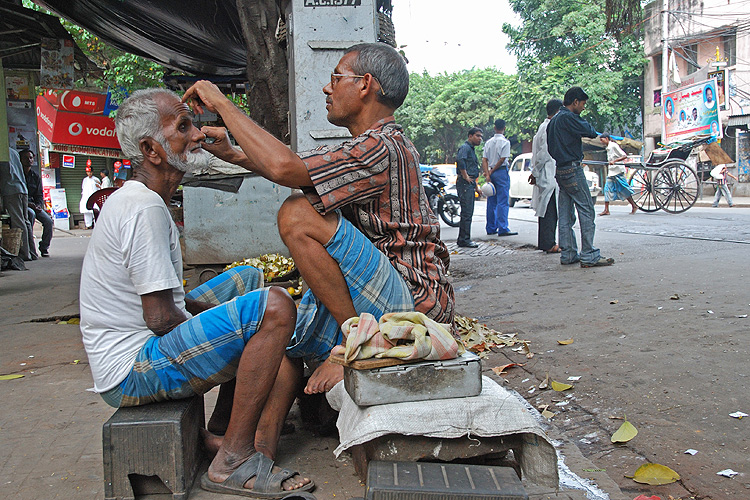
<point>493,413</point>
<point>404,335</point>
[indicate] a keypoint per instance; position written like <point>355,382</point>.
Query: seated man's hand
<point>532,180</point>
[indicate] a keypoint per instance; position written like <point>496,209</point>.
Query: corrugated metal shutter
<point>71,178</point>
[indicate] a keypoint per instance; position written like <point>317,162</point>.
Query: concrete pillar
<point>4,155</point>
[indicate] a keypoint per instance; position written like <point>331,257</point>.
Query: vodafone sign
<point>63,127</point>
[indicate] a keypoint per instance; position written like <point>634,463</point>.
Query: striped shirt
<point>374,179</point>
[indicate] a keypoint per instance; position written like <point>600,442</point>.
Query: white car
<point>519,173</point>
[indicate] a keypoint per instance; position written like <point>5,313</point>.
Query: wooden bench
<point>153,449</point>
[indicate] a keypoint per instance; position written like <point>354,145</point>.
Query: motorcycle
<point>446,205</point>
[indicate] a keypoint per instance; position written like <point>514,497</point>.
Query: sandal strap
<point>252,467</point>
<point>272,482</point>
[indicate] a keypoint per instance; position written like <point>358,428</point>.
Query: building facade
<point>706,38</point>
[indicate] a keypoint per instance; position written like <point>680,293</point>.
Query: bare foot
<point>634,210</point>
<point>211,442</point>
<point>324,378</point>
<point>604,213</point>
<point>221,468</point>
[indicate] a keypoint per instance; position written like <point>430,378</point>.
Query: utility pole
<point>664,60</point>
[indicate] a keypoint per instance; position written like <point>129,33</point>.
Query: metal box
<point>454,378</point>
<point>153,449</point>
<point>428,481</point>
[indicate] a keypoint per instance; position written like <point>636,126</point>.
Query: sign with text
<point>68,161</point>
<point>690,111</point>
<point>722,89</point>
<point>63,127</point>
<point>332,3</point>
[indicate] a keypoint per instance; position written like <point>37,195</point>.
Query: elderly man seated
<point>147,341</point>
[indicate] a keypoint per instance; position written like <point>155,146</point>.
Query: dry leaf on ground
<point>565,342</point>
<point>625,433</point>
<point>559,386</point>
<point>654,474</point>
<point>500,370</point>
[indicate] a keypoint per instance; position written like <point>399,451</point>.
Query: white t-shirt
<point>613,152</point>
<point>134,250</point>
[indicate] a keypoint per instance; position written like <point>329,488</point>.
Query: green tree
<point>439,110</point>
<point>562,43</point>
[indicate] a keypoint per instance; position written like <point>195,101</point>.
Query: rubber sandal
<point>267,484</point>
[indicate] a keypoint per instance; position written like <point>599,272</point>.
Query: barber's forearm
<point>264,153</point>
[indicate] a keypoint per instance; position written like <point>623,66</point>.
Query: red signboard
<point>79,102</point>
<point>69,161</point>
<point>80,129</point>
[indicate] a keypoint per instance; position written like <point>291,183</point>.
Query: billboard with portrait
<point>690,111</point>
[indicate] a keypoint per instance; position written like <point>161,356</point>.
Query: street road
<point>660,337</point>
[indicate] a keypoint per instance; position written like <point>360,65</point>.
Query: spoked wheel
<point>643,187</point>
<point>450,210</point>
<point>676,187</point>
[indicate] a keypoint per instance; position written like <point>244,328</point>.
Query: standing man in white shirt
<point>544,198</point>
<point>495,166</point>
<point>617,187</point>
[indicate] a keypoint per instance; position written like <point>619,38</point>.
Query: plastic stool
<point>153,449</point>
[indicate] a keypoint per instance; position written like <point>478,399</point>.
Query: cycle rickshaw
<point>665,181</point>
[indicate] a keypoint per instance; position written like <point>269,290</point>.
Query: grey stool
<point>153,449</point>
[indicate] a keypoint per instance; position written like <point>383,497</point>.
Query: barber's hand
<point>532,179</point>
<point>203,94</point>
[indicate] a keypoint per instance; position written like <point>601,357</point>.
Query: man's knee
<point>280,315</point>
<point>297,219</point>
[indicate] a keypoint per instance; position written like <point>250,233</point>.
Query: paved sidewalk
<point>50,428</point>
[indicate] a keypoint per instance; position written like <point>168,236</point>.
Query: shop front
<point>74,136</point>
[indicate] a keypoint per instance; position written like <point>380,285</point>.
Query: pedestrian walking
<point>616,187</point>
<point>721,185</point>
<point>467,167</point>
<point>495,166</point>
<point>564,134</point>
<point>544,195</point>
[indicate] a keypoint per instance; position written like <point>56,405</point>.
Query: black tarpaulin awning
<point>202,38</point>
<point>21,32</point>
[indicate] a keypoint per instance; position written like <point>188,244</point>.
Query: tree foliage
<point>439,110</point>
<point>562,43</point>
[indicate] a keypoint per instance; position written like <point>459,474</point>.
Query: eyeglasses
<point>335,77</point>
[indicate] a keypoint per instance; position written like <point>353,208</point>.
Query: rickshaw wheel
<point>676,187</point>
<point>643,190</point>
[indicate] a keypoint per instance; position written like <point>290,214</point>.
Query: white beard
<point>194,161</point>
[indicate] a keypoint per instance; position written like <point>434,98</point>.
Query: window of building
<point>730,48</point>
<point>691,57</point>
<point>657,70</point>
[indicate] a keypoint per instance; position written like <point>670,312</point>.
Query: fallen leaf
<point>674,297</point>
<point>10,377</point>
<point>565,342</point>
<point>500,370</point>
<point>559,386</point>
<point>75,361</point>
<point>691,451</point>
<point>547,414</point>
<point>614,301</point>
<point>644,497</point>
<point>545,383</point>
<point>529,355</point>
<point>654,474</point>
<point>625,433</point>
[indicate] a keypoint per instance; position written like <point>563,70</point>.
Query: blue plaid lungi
<point>203,351</point>
<point>374,284</point>
<point>617,188</point>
